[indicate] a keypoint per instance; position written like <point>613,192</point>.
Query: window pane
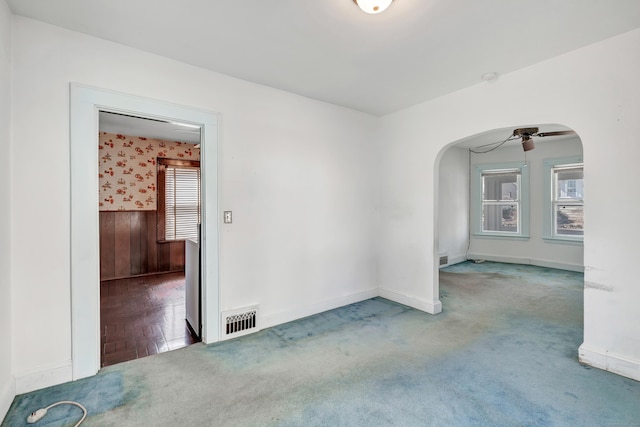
<point>182,203</point>
<point>500,186</point>
<point>500,217</point>
<point>569,183</point>
<point>569,220</point>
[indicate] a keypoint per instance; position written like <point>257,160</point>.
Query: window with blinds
<point>179,200</point>
<point>182,202</point>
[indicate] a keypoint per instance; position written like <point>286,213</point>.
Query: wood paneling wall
<point>128,246</point>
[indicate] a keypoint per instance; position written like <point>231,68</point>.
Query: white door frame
<point>86,102</point>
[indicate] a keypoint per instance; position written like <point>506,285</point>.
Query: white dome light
<point>373,6</point>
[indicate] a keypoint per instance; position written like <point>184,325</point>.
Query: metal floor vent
<point>444,260</point>
<point>239,322</point>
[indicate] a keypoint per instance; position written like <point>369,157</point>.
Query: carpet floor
<point>502,353</point>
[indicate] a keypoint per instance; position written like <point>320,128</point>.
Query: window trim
<point>548,234</point>
<point>160,186</point>
<point>476,202</point>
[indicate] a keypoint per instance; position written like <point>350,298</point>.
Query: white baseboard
<point>7,393</point>
<point>611,362</point>
<point>43,376</point>
<point>528,261</point>
<point>274,319</point>
<point>417,303</point>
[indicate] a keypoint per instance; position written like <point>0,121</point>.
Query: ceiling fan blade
<point>556,133</point>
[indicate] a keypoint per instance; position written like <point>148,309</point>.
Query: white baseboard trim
<point>44,376</point>
<point>274,319</point>
<point>611,362</point>
<point>7,393</point>
<point>417,303</point>
<point>528,261</point>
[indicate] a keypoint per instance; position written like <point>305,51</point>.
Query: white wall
<point>7,383</point>
<point>295,172</point>
<point>601,101</point>
<point>535,250</point>
<point>453,204</point>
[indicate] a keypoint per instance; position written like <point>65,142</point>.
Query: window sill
<point>564,241</point>
<point>501,236</point>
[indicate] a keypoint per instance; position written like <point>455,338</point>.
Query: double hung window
<point>564,208</point>
<point>500,206</point>
<point>178,199</point>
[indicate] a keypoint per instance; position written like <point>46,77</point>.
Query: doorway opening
<point>150,214</point>
<point>85,105</point>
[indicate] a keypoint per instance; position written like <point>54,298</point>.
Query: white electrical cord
<point>37,415</point>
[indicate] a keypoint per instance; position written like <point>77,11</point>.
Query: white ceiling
<point>331,51</point>
<point>149,128</point>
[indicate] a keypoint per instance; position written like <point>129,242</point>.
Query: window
<point>178,199</point>
<point>500,204</point>
<point>564,204</point>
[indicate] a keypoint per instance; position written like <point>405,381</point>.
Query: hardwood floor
<point>142,316</point>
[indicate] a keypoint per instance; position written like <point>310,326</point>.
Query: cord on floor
<point>37,415</point>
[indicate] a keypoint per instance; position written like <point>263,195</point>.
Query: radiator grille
<point>240,322</point>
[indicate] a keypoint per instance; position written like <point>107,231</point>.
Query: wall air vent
<point>444,260</point>
<point>239,322</point>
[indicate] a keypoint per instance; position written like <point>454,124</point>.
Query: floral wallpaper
<point>127,169</point>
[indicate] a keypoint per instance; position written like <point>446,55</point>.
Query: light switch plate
<point>227,217</point>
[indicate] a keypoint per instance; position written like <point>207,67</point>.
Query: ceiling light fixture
<point>187,125</point>
<point>526,134</point>
<point>373,6</point>
<point>487,77</point>
<point>527,143</point>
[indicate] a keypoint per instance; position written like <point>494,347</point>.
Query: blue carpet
<point>502,353</point>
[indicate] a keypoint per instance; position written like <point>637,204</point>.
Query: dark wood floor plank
<point>142,316</point>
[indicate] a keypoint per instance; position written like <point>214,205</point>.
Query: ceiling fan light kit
<point>373,6</point>
<point>527,133</point>
<point>527,143</point>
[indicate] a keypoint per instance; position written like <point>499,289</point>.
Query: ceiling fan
<point>527,133</point>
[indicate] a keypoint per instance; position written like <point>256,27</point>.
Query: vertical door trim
<point>85,104</point>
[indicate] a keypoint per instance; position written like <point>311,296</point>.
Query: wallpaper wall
<point>128,170</point>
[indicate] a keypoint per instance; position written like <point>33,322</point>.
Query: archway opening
<point>499,203</point>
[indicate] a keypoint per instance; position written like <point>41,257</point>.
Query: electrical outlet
<point>227,217</point>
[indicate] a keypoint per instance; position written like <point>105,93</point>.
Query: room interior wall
<point>129,246</point>
<point>7,383</point>
<point>453,204</point>
<point>295,172</point>
<point>534,250</point>
<point>598,99</point>
<point>128,180</point>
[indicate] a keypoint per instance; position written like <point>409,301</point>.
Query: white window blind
<point>182,202</point>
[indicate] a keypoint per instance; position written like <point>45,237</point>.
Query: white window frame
<point>523,200</point>
<point>549,233</point>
